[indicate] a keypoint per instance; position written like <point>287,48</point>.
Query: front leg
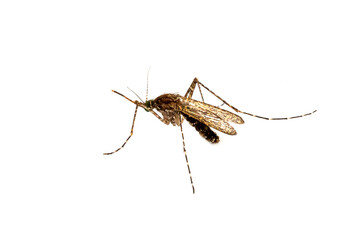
<point>164,120</point>
<point>133,124</point>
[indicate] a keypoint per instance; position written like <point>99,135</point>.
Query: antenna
<point>147,83</point>
<point>136,94</point>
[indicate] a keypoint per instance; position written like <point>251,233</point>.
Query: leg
<point>191,88</point>
<point>239,111</point>
<point>159,118</point>
<point>185,154</point>
<point>133,124</point>
<point>200,91</point>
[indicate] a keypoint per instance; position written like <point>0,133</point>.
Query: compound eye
<point>149,104</point>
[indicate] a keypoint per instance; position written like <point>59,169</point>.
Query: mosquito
<point>174,108</point>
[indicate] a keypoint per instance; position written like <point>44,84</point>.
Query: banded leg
<point>159,118</point>
<point>133,124</point>
<point>195,81</point>
<point>191,88</point>
<point>185,154</point>
<point>200,91</point>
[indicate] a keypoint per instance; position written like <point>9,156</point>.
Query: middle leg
<point>185,154</point>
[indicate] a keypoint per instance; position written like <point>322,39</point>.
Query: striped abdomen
<point>202,128</point>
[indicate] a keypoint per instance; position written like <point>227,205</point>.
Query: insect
<point>174,108</point>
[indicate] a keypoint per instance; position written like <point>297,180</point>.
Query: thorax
<point>169,105</point>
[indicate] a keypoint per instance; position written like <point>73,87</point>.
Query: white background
<point>294,179</point>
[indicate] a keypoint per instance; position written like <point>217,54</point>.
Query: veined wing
<point>212,116</point>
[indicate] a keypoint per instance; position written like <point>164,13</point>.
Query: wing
<point>212,116</point>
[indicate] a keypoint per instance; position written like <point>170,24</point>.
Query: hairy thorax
<point>169,105</point>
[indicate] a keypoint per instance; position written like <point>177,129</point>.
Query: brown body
<point>200,115</point>
<point>173,106</point>
<point>170,106</point>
